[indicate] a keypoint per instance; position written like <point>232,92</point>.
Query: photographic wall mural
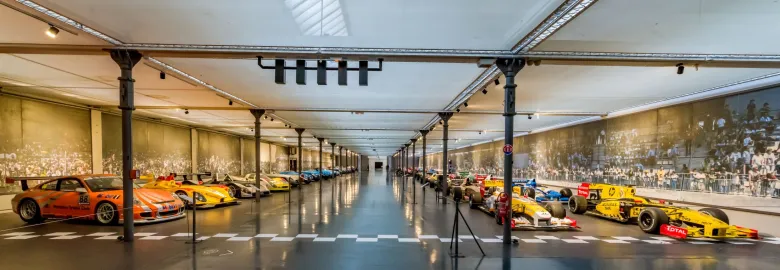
<point>40,139</point>
<point>218,153</point>
<point>266,162</point>
<point>280,156</point>
<point>729,135</point>
<point>157,149</point>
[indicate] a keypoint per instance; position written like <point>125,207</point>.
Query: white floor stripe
<point>586,238</point>
<point>325,239</point>
<point>467,237</point>
<point>347,236</point>
<point>491,240</point>
<point>367,240</point>
<point>266,235</point>
<point>513,237</point>
<point>739,243</point>
<point>66,237</point>
<point>625,238</point>
<point>153,238</point>
<point>574,241</point>
<point>144,234</point>
<point>182,235</point>
<point>408,240</point>
<point>699,242</point>
<point>774,242</point>
<point>16,234</point>
<point>240,238</point>
<point>21,237</point>
<point>535,241</point>
<point>101,234</point>
<point>546,237</point>
<point>429,236</point>
<point>306,236</point>
<point>282,239</point>
<point>59,234</point>
<point>616,241</point>
<point>655,242</point>
<point>227,235</point>
<point>107,237</point>
<point>663,238</point>
<point>447,240</point>
<point>203,238</point>
<point>387,236</point>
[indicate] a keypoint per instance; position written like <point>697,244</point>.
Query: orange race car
<point>92,197</point>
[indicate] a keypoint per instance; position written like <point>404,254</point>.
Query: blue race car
<point>313,174</point>
<point>540,193</point>
<point>306,178</point>
<point>327,174</point>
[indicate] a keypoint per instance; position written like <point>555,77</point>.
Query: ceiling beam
<point>361,111</point>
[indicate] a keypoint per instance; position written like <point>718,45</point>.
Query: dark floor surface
<point>361,221</point>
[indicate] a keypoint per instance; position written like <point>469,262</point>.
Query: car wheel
<point>475,200</point>
<point>578,204</point>
<point>716,213</point>
<point>233,190</point>
<point>30,212</point>
<point>651,218</point>
<point>556,209</point>
<point>566,193</point>
<point>106,214</point>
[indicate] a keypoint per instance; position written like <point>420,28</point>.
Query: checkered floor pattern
<point>536,239</point>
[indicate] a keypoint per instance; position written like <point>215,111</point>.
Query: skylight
<point>318,17</point>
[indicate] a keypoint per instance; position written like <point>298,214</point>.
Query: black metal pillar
<point>424,164</point>
<point>414,172</point>
<point>300,155</point>
<point>333,158</point>
<point>445,117</point>
<point>322,176</point>
<point>126,59</point>
<point>509,67</point>
<point>406,165</point>
<point>341,162</point>
<point>257,113</point>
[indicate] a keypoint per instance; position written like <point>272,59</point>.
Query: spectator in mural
<point>751,110</point>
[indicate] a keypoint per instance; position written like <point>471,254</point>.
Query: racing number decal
<point>634,211</point>
<point>612,191</point>
<point>83,198</point>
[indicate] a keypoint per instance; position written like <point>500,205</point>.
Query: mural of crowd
<point>723,145</point>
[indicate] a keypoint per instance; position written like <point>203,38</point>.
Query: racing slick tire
<point>106,214</point>
<point>716,213</point>
<point>556,209</point>
<point>529,192</point>
<point>578,204</point>
<point>233,190</point>
<point>32,212</point>
<point>651,218</point>
<point>566,193</point>
<point>475,200</point>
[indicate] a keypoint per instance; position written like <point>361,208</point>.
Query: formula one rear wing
<point>23,180</point>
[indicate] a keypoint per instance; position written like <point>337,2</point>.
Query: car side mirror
<point>81,190</point>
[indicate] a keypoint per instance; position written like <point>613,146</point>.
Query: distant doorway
<point>294,165</point>
<point>378,165</point>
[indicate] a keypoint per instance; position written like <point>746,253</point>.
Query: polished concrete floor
<point>360,221</point>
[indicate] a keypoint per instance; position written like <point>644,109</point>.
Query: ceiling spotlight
<point>465,104</point>
<point>441,122</point>
<point>252,129</point>
<point>265,117</point>
<point>680,68</point>
<point>186,111</point>
<point>272,119</point>
<point>529,117</point>
<point>457,110</point>
<point>484,91</point>
<point>480,132</point>
<point>52,31</point>
<point>162,75</point>
<point>496,82</point>
<point>230,102</point>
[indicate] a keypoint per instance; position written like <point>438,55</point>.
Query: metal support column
<point>510,68</point>
<point>322,175</point>
<point>333,158</point>
<point>341,162</point>
<point>126,59</point>
<point>424,164</point>
<point>406,166</point>
<point>300,155</point>
<point>445,117</point>
<point>414,172</point>
<point>257,114</point>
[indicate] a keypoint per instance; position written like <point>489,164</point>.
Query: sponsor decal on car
<point>583,189</point>
<point>674,231</point>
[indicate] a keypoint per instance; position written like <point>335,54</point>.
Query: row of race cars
<point>534,207</point>
<point>99,197</point>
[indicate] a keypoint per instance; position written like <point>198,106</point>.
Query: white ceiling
<point>386,24</point>
<point>673,26</point>
<point>609,25</point>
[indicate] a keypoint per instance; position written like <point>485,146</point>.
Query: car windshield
<point>99,184</point>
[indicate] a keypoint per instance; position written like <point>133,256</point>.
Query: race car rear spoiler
<point>23,180</point>
<point>197,175</point>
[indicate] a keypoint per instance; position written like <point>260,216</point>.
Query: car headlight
<point>199,197</point>
<point>137,202</point>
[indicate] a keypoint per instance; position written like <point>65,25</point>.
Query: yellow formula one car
<point>204,196</point>
<point>620,204</point>
<point>526,212</point>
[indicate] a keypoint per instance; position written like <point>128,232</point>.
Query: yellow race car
<point>276,182</point>
<point>619,203</point>
<point>204,196</point>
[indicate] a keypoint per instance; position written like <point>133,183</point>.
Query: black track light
<point>465,104</point>
<point>230,102</point>
<point>484,91</point>
<point>265,117</point>
<point>186,111</point>
<point>496,82</point>
<point>441,122</point>
<point>162,75</point>
<point>680,68</point>
<point>457,110</point>
<point>52,31</point>
<point>272,119</point>
<point>529,117</point>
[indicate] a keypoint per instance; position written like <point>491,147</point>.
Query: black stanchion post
<point>194,219</point>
